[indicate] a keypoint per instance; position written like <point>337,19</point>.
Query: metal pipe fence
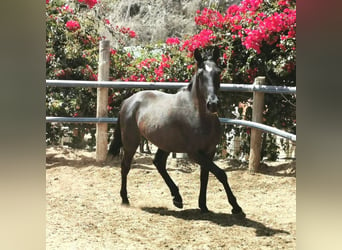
<point>114,120</point>
<point>169,85</point>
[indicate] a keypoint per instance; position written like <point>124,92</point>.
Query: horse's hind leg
<point>125,167</point>
<point>160,163</point>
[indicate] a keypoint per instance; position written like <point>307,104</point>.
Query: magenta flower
<point>132,34</point>
<point>72,25</point>
<point>90,3</point>
<point>172,41</point>
<point>200,40</point>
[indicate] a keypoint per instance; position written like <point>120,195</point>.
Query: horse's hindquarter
<point>171,122</point>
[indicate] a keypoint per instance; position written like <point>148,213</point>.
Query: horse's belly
<point>163,136</point>
<point>173,138</point>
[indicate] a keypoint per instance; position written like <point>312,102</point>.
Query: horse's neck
<point>197,98</point>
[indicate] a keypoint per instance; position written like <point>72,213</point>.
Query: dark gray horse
<point>184,122</point>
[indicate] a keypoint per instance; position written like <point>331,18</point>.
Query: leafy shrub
<point>257,38</point>
<point>72,44</point>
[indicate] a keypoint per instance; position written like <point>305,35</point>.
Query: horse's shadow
<point>221,219</point>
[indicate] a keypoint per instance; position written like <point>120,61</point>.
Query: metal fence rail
<point>260,126</point>
<point>172,85</point>
<point>169,85</point>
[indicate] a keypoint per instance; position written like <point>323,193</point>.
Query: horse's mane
<point>189,86</point>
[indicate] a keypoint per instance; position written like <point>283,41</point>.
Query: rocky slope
<point>155,20</point>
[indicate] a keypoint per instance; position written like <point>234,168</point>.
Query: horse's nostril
<point>212,106</point>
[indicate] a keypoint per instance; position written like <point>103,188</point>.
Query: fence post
<point>102,101</point>
<point>256,134</point>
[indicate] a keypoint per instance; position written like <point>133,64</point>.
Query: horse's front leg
<point>160,163</point>
<point>202,201</point>
<point>207,163</point>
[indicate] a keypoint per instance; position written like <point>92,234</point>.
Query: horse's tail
<point>116,144</point>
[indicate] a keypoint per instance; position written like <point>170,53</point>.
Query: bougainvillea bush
<point>256,37</point>
<point>72,45</point>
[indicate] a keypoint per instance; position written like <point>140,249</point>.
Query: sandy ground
<point>84,211</point>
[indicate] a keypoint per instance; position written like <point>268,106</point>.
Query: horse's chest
<point>206,132</point>
<point>204,129</point>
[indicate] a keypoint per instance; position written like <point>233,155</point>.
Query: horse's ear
<point>198,56</point>
<point>216,53</point>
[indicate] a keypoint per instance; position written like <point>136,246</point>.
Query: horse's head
<point>208,77</point>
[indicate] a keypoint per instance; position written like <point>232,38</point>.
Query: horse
<point>183,122</point>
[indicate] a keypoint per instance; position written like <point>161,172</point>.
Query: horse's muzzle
<point>212,105</point>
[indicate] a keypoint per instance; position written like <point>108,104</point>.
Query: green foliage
<point>257,38</point>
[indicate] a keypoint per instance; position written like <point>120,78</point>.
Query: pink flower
<point>159,71</point>
<point>72,25</point>
<point>210,18</point>
<point>67,8</point>
<point>133,78</point>
<point>289,67</point>
<point>49,57</point>
<point>200,40</point>
<point>125,30</point>
<point>284,3</point>
<point>106,21</point>
<point>90,3</point>
<point>110,99</point>
<point>268,28</point>
<point>166,58</point>
<point>172,41</point>
<point>142,78</point>
<point>60,73</point>
<point>251,74</point>
<point>113,51</point>
<point>249,6</point>
<point>132,34</point>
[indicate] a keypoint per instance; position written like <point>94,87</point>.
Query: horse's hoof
<point>178,204</point>
<point>204,210</point>
<point>125,203</point>
<point>238,214</point>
